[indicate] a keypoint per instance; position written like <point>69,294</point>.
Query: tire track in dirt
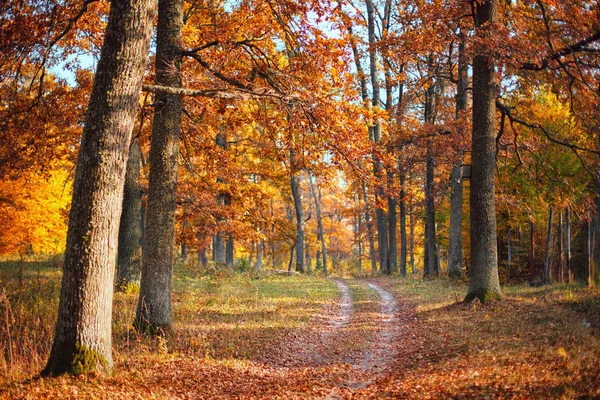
<point>382,352</point>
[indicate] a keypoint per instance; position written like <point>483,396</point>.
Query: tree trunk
<point>316,194</point>
<point>531,251</point>
<point>382,233</point>
<point>130,227</point>
<point>369,225</point>
<point>568,245</point>
<point>411,238</point>
<point>392,226</point>
<point>590,254</point>
<point>296,180</point>
<point>154,305</point>
<point>561,265</point>
<point>455,256</point>
<point>548,243</point>
<point>509,249</point>
<point>229,252</point>
<point>82,337</point>
<point>430,261</point>
<point>259,255</point>
<point>484,283</point>
<point>403,241</point>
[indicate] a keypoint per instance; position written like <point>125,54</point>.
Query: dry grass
<point>536,343</point>
<point>219,316</point>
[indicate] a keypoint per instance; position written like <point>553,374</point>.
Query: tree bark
<point>455,256</point>
<point>82,337</point>
<point>369,225</point>
<point>561,265</point>
<point>295,181</point>
<point>430,266</point>
<point>484,283</point>
<point>403,241</point>
<point>531,251</point>
<point>130,226</point>
<point>316,194</point>
<point>392,227</point>
<point>509,249</point>
<point>154,304</point>
<point>568,245</point>
<point>382,233</point>
<point>259,255</point>
<point>229,252</point>
<point>548,243</point>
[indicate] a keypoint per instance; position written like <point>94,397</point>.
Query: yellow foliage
<point>33,213</point>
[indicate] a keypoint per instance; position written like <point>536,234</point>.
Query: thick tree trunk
<point>82,337</point>
<point>130,228</point>
<point>154,305</point>
<point>484,283</point>
<point>296,181</point>
<point>548,243</point>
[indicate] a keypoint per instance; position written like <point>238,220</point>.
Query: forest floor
<point>244,336</point>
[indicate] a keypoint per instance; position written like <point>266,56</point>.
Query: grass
<point>220,316</point>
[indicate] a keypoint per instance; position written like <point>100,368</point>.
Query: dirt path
<point>374,361</point>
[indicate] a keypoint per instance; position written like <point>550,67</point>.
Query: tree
<point>82,339</point>
<point>130,226</point>
<point>484,283</point>
<point>154,304</point>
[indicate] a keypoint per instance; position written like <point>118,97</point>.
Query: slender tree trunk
<point>590,254</point>
<point>82,336</point>
<point>430,261</point>
<point>548,243</point>
<point>296,184</point>
<point>154,305</point>
<point>561,265</point>
<point>316,194</point>
<point>130,227</point>
<point>202,259</point>
<point>509,249</point>
<point>369,230</point>
<point>229,252</point>
<point>411,243</point>
<point>392,227</point>
<point>259,255</point>
<point>568,245</point>
<point>455,256</point>
<point>483,281</point>
<point>380,217</point>
<point>403,241</point>
<point>531,251</point>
